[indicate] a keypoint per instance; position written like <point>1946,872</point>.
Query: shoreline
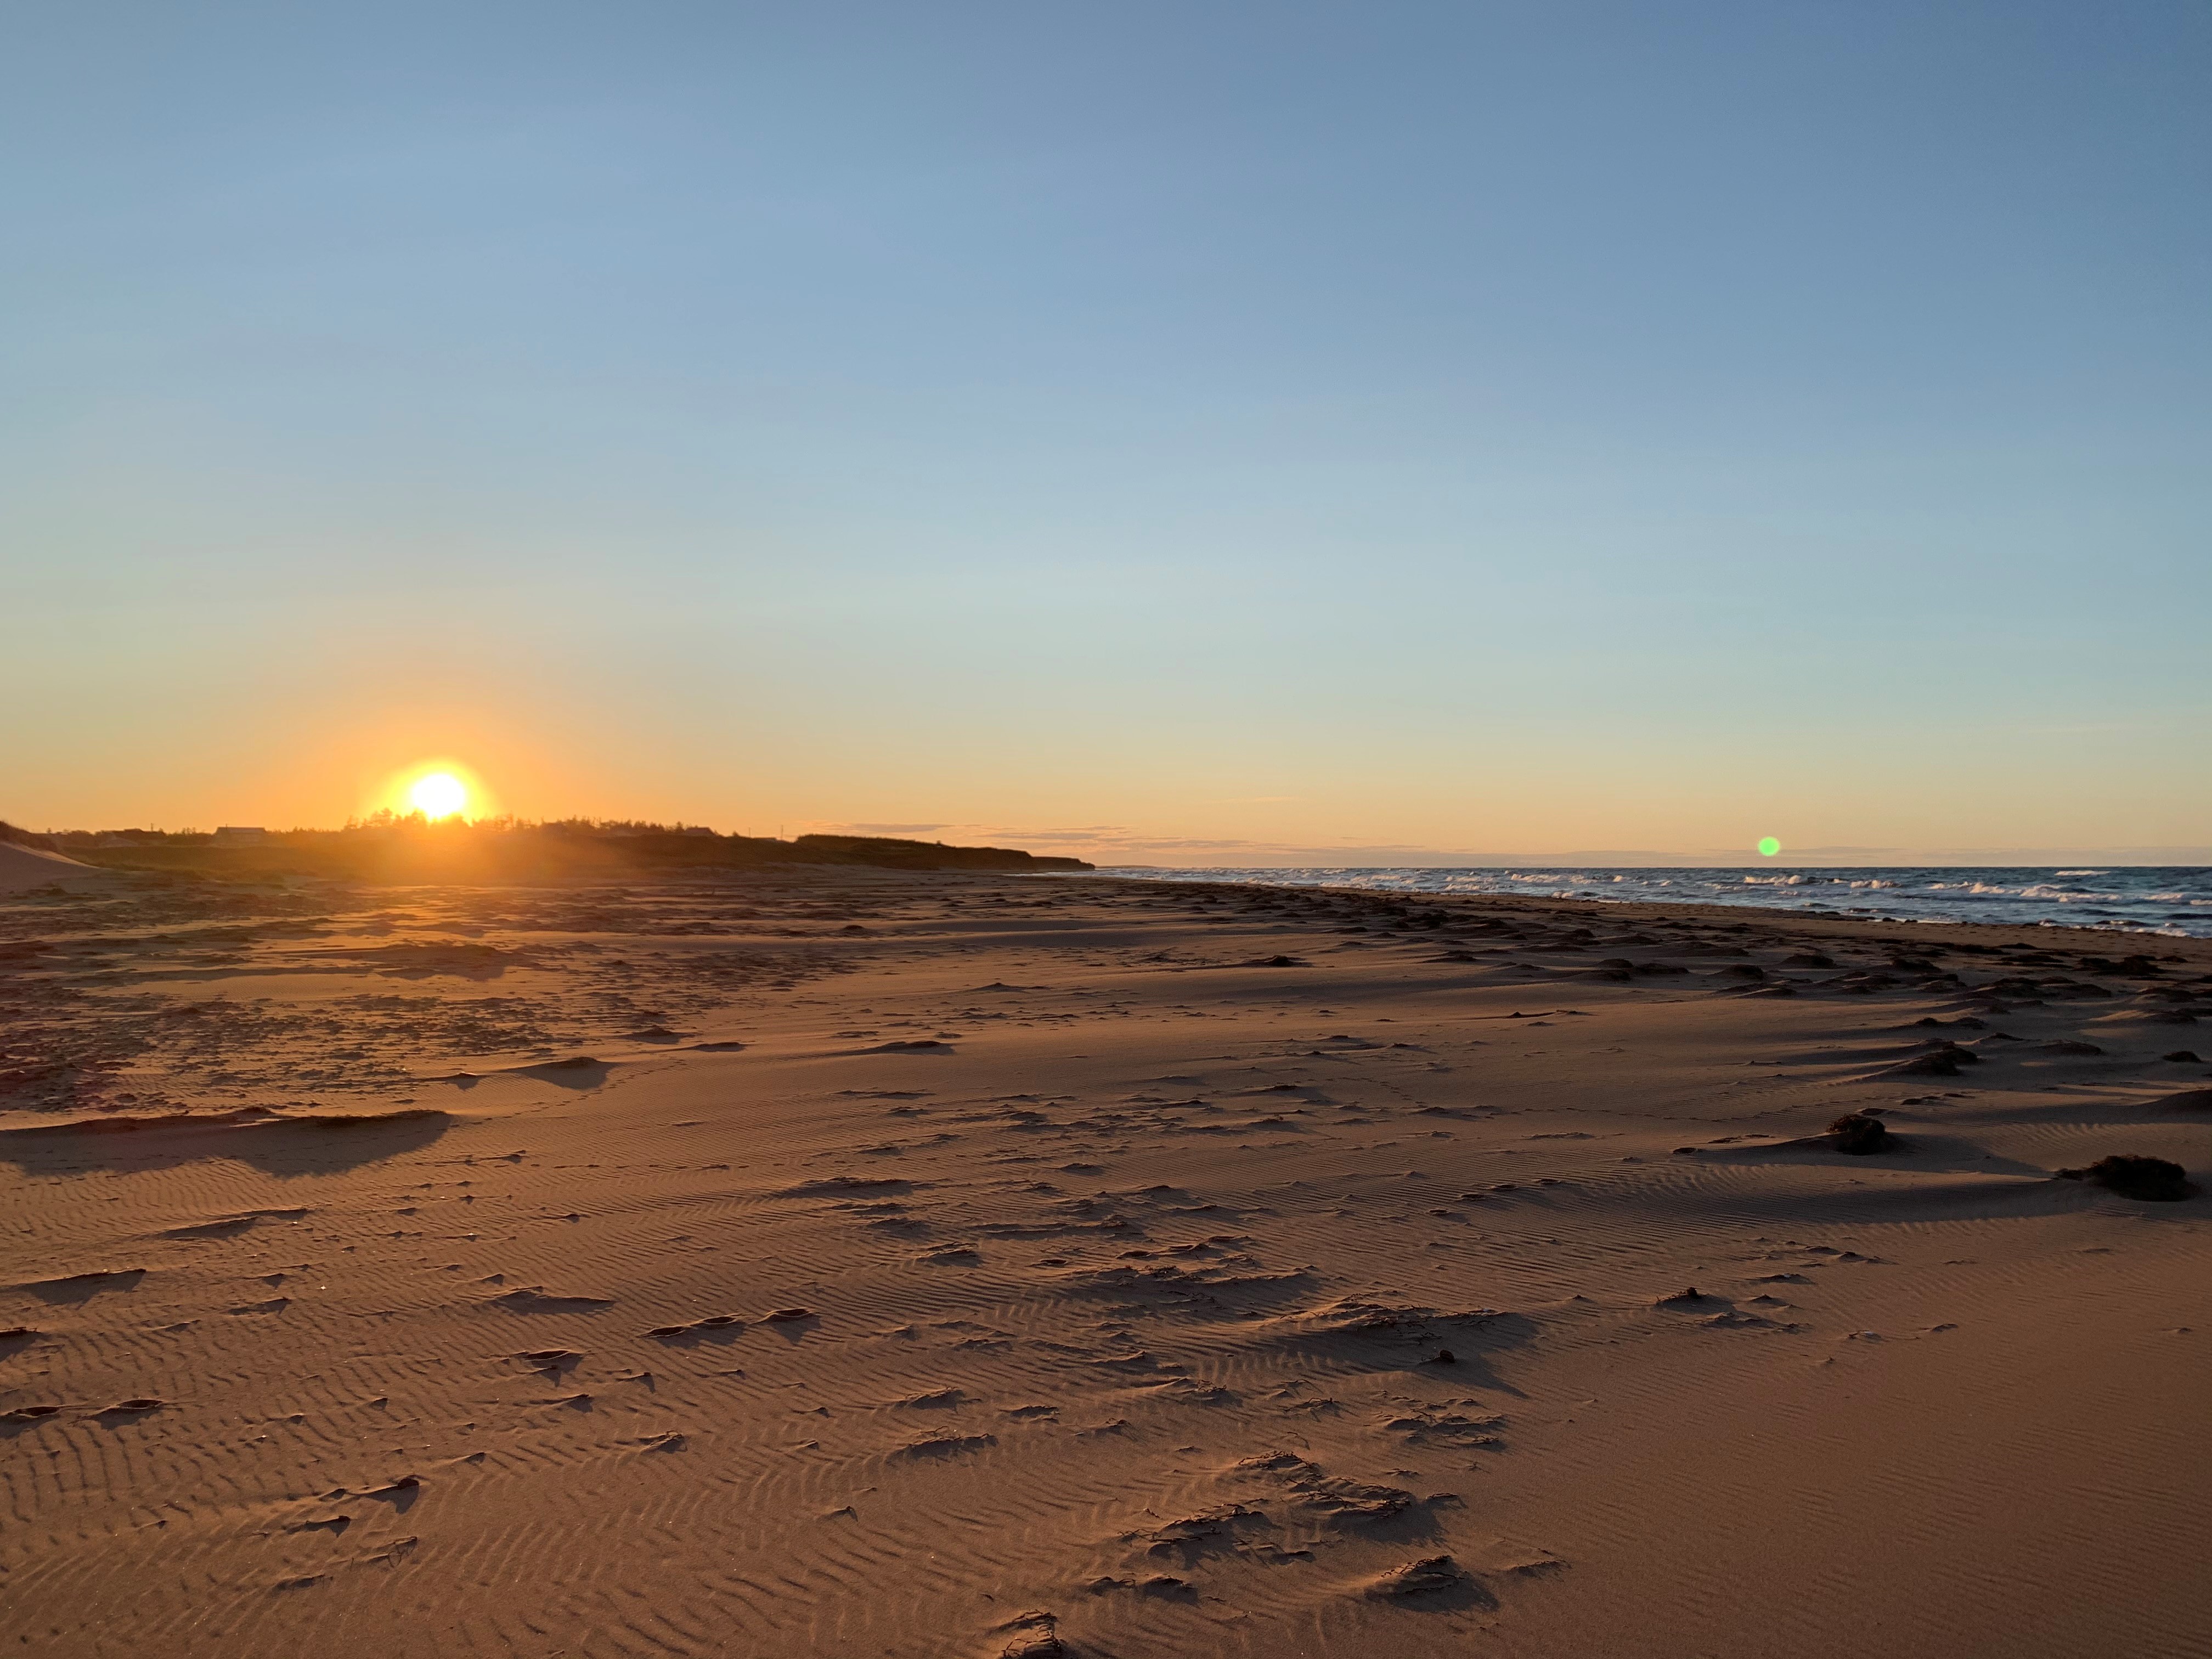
<point>1240,878</point>
<point>1993,935</point>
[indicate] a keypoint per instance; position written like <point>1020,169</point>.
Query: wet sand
<point>848,1263</point>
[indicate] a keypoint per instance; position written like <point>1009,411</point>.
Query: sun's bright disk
<point>438,795</point>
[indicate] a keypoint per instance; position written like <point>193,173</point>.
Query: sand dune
<point>1074,1266</point>
<point>24,868</point>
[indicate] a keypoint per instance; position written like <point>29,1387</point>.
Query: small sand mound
<point>1035,1636</point>
<point>1942,1059</point>
<point>1430,1575</point>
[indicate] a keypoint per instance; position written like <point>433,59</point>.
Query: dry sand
<point>851,1264</point>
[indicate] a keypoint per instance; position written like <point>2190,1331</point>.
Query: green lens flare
<point>1768,847</point>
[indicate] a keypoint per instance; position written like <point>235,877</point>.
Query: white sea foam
<point>2128,899</point>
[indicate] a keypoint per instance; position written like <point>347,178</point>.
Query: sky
<point>1214,434</point>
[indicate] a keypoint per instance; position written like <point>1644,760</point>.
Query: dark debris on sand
<point>2154,1180</point>
<point>1860,1133</point>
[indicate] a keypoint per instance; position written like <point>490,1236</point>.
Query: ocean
<point>2173,900</point>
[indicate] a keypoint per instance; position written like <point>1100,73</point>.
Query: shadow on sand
<point>273,1142</point>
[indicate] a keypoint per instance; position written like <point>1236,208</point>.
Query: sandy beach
<point>845,1262</point>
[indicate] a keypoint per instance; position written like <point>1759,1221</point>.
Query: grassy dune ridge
<point>393,848</point>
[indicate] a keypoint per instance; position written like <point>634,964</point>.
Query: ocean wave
<point>2136,901</point>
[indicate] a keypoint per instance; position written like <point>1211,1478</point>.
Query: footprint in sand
<point>132,1407</point>
<point>728,1324</point>
<point>83,1287</point>
<point>551,1361</point>
<point>935,1400</point>
<point>537,1299</point>
<point>952,1255</point>
<point>944,1446</point>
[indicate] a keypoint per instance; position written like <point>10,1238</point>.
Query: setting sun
<point>438,795</point>
<point>439,787</point>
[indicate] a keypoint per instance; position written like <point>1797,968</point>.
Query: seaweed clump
<point>1861,1133</point>
<point>2155,1180</point>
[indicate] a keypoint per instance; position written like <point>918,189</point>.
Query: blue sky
<point>1520,429</point>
